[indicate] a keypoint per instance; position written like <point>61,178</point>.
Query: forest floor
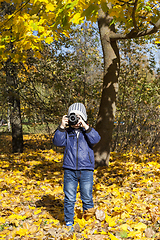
<point>126,195</point>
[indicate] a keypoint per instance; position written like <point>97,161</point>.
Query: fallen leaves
<point>126,196</point>
<point>89,213</point>
<point>100,215</point>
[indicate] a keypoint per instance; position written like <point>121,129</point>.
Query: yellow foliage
<point>16,217</point>
<point>140,226</point>
<point>31,195</point>
<point>49,40</point>
<point>22,232</point>
<point>76,18</point>
<point>2,220</point>
<point>112,237</point>
<point>50,7</point>
<point>51,18</point>
<point>110,221</point>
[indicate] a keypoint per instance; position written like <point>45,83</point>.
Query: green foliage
<point>70,70</point>
<point>137,118</point>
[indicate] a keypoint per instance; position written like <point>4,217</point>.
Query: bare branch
<point>133,15</point>
<point>136,34</point>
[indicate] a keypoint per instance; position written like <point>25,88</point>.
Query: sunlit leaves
<point>141,17</point>
<point>52,16</point>
<point>126,196</point>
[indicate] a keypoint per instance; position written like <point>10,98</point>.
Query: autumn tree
<point>12,90</point>
<point>69,71</point>
<point>117,20</point>
<point>135,19</point>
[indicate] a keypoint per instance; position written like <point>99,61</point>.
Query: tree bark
<point>105,120</point>
<point>14,104</point>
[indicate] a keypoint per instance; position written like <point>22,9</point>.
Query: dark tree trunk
<point>12,89</point>
<point>14,105</point>
<point>105,121</point>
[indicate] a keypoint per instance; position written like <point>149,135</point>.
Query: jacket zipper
<point>77,154</point>
<point>65,154</point>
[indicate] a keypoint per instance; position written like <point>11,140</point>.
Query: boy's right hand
<point>64,121</point>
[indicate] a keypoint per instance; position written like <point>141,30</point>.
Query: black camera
<point>72,119</point>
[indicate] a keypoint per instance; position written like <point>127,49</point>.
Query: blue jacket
<point>78,152</point>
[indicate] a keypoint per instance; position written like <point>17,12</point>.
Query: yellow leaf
<point>15,222</point>
<point>58,190</point>
<point>140,226</point>
<point>103,232</point>
<point>3,233</point>
<point>22,232</point>
<point>110,221</point>
<point>33,229</point>
<point>67,35</point>
<point>38,55</point>
<point>85,235</point>
<point>133,233</point>
<point>31,207</point>
<point>26,225</point>
<point>36,212</point>
<point>50,7</point>
<point>16,217</point>
<point>76,18</point>
<point>2,46</point>
<point>2,220</point>
<point>74,237</point>
<point>49,40</point>
<point>41,29</point>
<point>124,215</point>
<point>28,214</point>
<point>124,227</point>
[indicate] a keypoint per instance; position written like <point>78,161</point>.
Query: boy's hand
<point>64,121</point>
<point>82,123</point>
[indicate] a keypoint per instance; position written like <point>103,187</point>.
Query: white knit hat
<point>78,108</point>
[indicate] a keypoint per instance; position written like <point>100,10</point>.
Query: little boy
<point>78,161</point>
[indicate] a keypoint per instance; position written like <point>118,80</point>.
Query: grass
<point>33,128</point>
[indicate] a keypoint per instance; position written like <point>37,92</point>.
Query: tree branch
<point>13,15</point>
<point>124,2</point>
<point>135,34</point>
<point>133,15</point>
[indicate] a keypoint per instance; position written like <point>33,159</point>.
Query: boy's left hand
<point>82,123</point>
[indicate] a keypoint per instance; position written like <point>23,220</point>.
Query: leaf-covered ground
<point>126,196</point>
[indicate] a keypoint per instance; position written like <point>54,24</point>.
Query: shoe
<point>71,230</point>
<point>70,227</point>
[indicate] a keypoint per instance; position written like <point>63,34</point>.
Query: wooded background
<point>105,54</point>
<point>54,54</point>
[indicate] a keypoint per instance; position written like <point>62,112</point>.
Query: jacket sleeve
<point>60,137</point>
<point>92,136</point>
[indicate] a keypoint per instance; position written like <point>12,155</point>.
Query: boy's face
<point>76,126</point>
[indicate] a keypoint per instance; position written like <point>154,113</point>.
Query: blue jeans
<point>71,179</point>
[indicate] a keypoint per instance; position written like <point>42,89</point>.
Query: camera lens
<point>73,119</point>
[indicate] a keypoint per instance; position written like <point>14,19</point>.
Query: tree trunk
<point>14,104</point>
<point>105,121</point>
<point>9,120</point>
